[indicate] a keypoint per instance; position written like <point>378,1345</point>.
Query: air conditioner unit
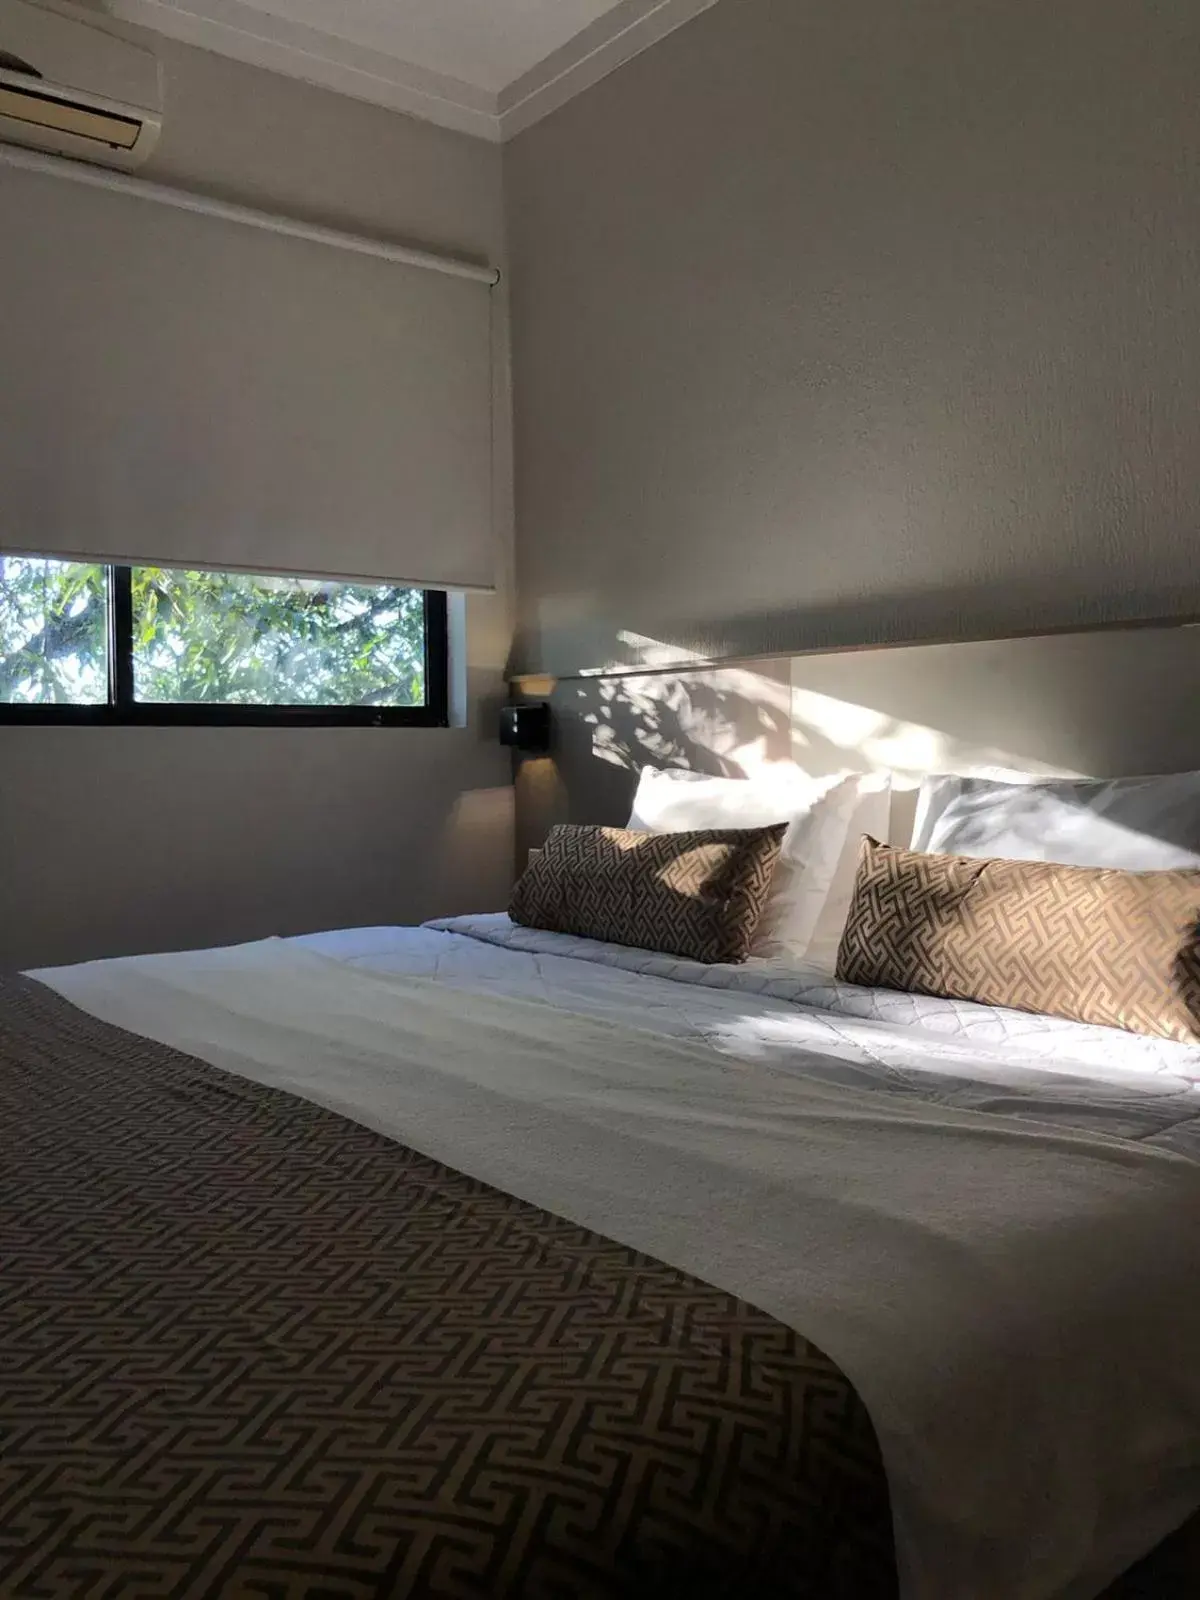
<point>75,89</point>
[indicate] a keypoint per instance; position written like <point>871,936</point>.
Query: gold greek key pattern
<point>698,894</point>
<point>1121,949</point>
<point>249,1348</point>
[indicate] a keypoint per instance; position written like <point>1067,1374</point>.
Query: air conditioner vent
<point>75,89</point>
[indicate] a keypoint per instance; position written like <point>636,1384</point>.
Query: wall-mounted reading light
<point>526,727</point>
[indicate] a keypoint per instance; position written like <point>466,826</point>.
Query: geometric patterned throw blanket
<point>250,1348</point>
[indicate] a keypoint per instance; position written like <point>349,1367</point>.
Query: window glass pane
<point>53,632</point>
<point>230,639</point>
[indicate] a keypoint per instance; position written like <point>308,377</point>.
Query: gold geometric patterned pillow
<point>1093,944</point>
<point>696,894</point>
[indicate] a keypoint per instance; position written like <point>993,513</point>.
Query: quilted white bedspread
<point>975,1057</point>
<point>990,1222</point>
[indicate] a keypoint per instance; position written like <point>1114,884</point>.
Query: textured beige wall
<point>118,840</point>
<point>862,321</point>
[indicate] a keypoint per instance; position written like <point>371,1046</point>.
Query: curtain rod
<point>201,205</point>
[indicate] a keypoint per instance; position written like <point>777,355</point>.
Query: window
<point>83,643</point>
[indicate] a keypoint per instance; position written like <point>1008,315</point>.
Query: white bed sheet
<point>960,1205</point>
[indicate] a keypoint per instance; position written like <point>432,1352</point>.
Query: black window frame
<point>122,710</point>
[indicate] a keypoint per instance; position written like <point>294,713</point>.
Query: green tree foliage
<point>227,638</point>
<point>211,637</point>
<point>53,633</point>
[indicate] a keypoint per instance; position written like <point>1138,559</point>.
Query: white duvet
<point>991,1222</point>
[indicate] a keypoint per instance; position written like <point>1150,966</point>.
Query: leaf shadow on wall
<point>723,722</point>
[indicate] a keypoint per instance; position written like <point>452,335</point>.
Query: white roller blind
<point>185,390</point>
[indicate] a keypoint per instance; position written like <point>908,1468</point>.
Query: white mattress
<point>990,1220</point>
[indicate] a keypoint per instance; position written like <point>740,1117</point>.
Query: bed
<point>368,1264</point>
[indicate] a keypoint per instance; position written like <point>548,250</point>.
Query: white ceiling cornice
<point>618,36</point>
<point>263,39</point>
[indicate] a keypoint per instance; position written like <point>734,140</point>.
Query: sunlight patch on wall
<point>738,721</point>
<point>827,732</point>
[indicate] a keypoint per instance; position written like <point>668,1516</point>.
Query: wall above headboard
<point>860,323</point>
<point>1105,703</point>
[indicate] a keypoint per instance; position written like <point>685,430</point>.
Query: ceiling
<point>488,67</point>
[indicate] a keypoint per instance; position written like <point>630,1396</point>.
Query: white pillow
<point>815,917</point>
<point>673,801</point>
<point>811,891</point>
<point>1136,824</point>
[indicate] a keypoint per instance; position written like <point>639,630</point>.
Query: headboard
<point>1104,703</point>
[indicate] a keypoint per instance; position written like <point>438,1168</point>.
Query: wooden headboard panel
<point>1106,703</point>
